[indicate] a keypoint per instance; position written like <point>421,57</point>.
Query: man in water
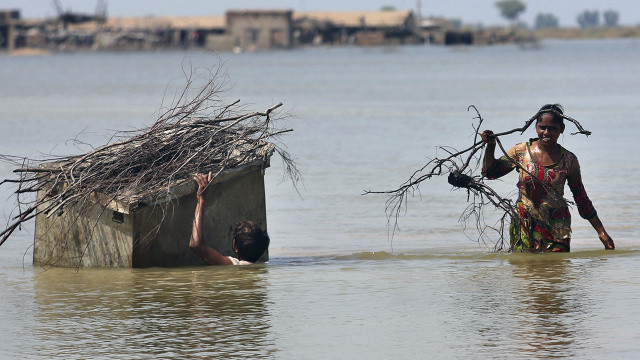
<point>249,240</point>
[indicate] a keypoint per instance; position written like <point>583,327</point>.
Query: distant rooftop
<point>179,22</point>
<point>338,18</point>
<point>357,18</point>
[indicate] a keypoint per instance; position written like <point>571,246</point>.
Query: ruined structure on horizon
<point>237,30</point>
<point>8,21</point>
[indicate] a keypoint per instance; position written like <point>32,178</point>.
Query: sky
<point>471,12</point>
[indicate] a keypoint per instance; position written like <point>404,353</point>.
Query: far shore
<point>535,35</point>
<point>590,33</point>
<point>260,29</point>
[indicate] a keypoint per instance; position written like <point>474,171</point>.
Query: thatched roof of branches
<point>197,133</point>
<point>139,169</point>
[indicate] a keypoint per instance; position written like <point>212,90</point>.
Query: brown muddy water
<point>336,285</point>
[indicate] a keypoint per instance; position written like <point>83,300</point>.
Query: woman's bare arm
<point>602,233</point>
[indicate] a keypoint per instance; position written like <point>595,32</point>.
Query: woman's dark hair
<point>555,110</point>
<point>251,240</point>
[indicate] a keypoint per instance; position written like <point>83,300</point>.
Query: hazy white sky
<point>469,11</point>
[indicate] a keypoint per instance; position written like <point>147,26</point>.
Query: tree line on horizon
<point>511,10</point>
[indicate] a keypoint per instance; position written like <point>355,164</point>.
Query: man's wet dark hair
<point>555,110</point>
<point>251,240</point>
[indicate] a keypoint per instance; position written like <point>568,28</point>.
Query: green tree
<point>589,19</point>
<point>511,9</point>
<point>388,8</point>
<point>544,21</point>
<point>611,18</point>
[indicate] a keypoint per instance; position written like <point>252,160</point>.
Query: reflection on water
<point>427,304</point>
<point>182,313</point>
<point>545,299</point>
<point>334,287</point>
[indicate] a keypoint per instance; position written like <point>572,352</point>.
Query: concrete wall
<point>86,237</point>
<point>228,203</point>
<point>8,19</point>
<point>260,29</point>
<point>92,236</point>
<point>369,38</point>
<point>224,42</point>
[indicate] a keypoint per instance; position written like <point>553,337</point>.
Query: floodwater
<point>337,285</point>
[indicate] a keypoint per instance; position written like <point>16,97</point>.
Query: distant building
<point>356,27</point>
<point>154,32</point>
<point>237,30</point>
<point>261,29</point>
<point>8,21</point>
<point>253,30</point>
<point>433,30</point>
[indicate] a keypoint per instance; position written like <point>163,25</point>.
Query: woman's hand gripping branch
<point>489,153</point>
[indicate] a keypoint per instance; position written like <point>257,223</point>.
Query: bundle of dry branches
<point>461,168</point>
<point>198,133</point>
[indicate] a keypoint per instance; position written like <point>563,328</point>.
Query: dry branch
<point>461,168</point>
<point>197,133</point>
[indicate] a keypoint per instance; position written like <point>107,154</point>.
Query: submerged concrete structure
<point>153,230</point>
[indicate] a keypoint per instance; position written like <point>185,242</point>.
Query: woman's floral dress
<point>543,221</point>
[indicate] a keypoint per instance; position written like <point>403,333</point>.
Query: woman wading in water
<point>543,222</point>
